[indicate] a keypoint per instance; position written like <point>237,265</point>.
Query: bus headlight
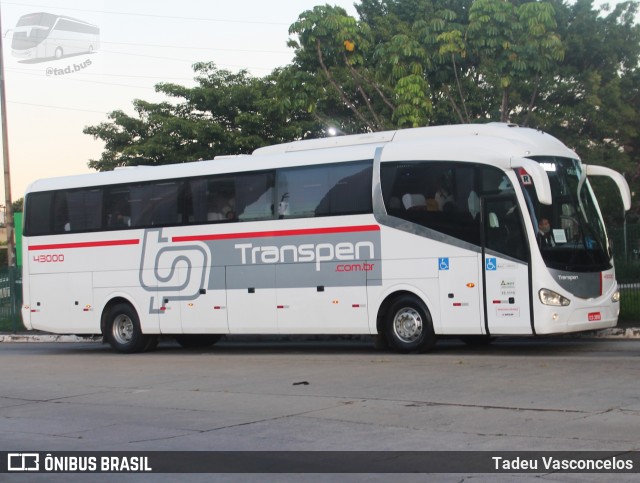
<point>549,297</point>
<point>616,296</point>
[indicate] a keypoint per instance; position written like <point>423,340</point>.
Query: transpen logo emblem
<point>170,272</point>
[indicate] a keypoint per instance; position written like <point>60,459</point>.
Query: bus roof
<point>524,136</point>
<point>493,143</point>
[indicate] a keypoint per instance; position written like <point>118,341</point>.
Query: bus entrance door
<point>506,268</point>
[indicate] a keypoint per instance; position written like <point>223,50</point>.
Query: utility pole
<point>8,217</point>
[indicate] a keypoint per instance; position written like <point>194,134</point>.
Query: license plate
<point>594,316</point>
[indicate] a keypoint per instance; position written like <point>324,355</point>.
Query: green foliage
<point>226,113</point>
<point>18,205</point>
<point>336,49</point>
<point>564,67</point>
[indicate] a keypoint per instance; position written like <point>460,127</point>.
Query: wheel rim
<point>122,329</point>
<point>407,325</point>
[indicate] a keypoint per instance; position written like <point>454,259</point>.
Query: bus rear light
<point>549,297</point>
<point>616,296</point>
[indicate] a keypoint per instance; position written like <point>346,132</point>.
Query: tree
<point>592,102</point>
<point>226,113</point>
<point>333,47</point>
<point>18,205</point>
<point>562,66</point>
<point>412,55</point>
<point>566,68</point>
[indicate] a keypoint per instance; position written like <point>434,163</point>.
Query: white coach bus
<point>407,234</point>
<point>44,35</point>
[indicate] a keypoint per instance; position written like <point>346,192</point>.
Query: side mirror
<point>617,178</point>
<point>538,177</point>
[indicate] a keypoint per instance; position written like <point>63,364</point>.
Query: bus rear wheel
<point>123,333</point>
<point>408,326</point>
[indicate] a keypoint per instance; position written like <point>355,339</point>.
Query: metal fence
<point>625,242</point>
<point>630,302</point>
<point>10,299</point>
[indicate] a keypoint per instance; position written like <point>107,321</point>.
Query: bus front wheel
<point>123,332</point>
<point>408,326</point>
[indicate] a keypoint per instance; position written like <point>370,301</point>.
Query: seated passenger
<point>415,201</point>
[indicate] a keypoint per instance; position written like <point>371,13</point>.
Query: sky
<point>142,43</point>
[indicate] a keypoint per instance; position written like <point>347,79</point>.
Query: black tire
<point>408,326</point>
<point>197,341</point>
<point>122,330</point>
<point>477,340</point>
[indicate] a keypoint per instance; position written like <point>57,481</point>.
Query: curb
<point>614,333</point>
<point>47,338</point>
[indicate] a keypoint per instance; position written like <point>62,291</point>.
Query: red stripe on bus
<point>264,234</point>
<point>62,246</point>
<point>601,282</point>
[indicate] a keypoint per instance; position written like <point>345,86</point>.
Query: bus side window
<point>504,232</point>
<point>61,213</point>
<point>85,210</point>
<point>117,208</point>
<point>433,194</point>
<point>254,196</point>
<point>326,190</point>
<point>38,213</point>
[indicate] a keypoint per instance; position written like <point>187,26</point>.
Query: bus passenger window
<point>325,190</point>
<point>253,197</point>
<point>38,213</point>
<point>60,213</point>
<point>117,208</point>
<point>85,210</point>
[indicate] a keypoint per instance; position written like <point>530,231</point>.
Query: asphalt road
<point>518,394</point>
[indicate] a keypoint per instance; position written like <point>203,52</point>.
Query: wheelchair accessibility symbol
<point>490,264</point>
<point>443,264</point>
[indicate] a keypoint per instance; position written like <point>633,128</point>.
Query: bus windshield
<point>570,232</point>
